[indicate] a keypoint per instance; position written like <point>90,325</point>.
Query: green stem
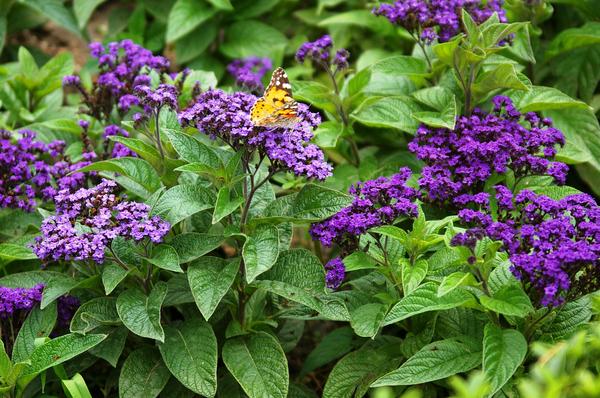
<point>157,132</point>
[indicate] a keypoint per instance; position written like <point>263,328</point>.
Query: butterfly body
<point>277,107</point>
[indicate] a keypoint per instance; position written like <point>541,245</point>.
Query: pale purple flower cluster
<point>460,161</point>
<point>88,220</point>
<point>152,101</point>
<point>31,170</point>
<point>335,271</point>
<point>376,202</point>
<point>248,72</point>
<point>438,19</point>
<point>553,245</point>
<point>319,51</point>
<point>123,67</point>
<point>118,150</point>
<point>227,116</point>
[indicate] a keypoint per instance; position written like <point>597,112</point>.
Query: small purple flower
<point>87,221</point>
<point>319,52</point>
<point>248,72</point>
<point>460,161</point>
<point>71,80</point>
<point>376,202</point>
<point>13,300</point>
<point>165,95</point>
<point>335,273</point>
<point>118,150</point>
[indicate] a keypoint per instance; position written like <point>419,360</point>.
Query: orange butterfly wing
<point>277,107</point>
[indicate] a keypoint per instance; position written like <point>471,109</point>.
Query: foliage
<point>155,238</point>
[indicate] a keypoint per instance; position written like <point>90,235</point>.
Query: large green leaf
<point>55,10</point>
<point>165,257</point>
<point>435,361</point>
<point>10,252</point>
<point>99,311</point>
<point>569,319</point>
<point>367,319</point>
<point>185,16</point>
<point>191,150</point>
<point>141,313</point>
<point>210,278</point>
<point>573,38</point>
<point>112,347</point>
<point>247,38</point>
<point>358,18</point>
<point>425,299</point>
<point>412,274</point>
<point>190,353</point>
<point>39,323</point>
<point>258,364</point>
<point>59,350</point>
<point>540,98</point>
<point>83,10</point>
<point>509,300</point>
<point>298,267</point>
<point>182,201</point>
<point>503,352</point>
<point>334,345</point>
<point>143,374</point>
<point>392,112</point>
<point>192,245</point>
<point>260,251</point>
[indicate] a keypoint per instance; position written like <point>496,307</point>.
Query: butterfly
<point>277,107</point>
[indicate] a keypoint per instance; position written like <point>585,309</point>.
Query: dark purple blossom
<point>118,150</point>
<point>13,300</point>
<point>248,72</point>
<point>227,116</point>
<point>335,273</point>
<point>460,161</point>
<point>376,202</point>
<point>319,52</point>
<point>553,245</point>
<point>438,19</point>
<point>165,95</point>
<point>88,220</point>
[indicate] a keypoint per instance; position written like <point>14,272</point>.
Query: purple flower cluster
<point>88,220</point>
<point>248,72</point>
<point>460,161</point>
<point>376,202</point>
<point>227,116</point>
<point>118,150</point>
<point>31,170</point>
<point>335,273</point>
<point>438,19</point>
<point>123,67</point>
<point>319,51</point>
<point>553,245</point>
<point>15,301</point>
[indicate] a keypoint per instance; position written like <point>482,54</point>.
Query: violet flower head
<point>553,245</point>
<point>248,72</point>
<point>165,95</point>
<point>319,52</point>
<point>71,80</point>
<point>118,150</point>
<point>438,19</point>
<point>87,221</point>
<point>376,202</point>
<point>460,161</point>
<point>335,271</point>
<point>227,117</point>
<point>13,300</point>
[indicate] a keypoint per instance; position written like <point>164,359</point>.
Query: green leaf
<point>393,112</point>
<point>222,4</point>
<point>316,94</point>
<point>502,76</point>
<point>440,99</point>
<point>353,374</point>
<point>540,98</point>
<point>367,319</point>
<point>509,300</point>
<point>359,260</point>
<point>193,151</point>
<point>334,345</point>
<point>453,281</point>
<point>112,276</point>
<point>142,148</point>
<point>503,352</point>
<point>10,252</point>
<point>412,274</point>
<point>328,134</point>
<point>300,268</point>
<point>182,201</point>
<point>192,245</point>
<point>225,205</point>
<point>260,251</point>
<point>75,387</point>
<point>185,16</point>
<point>39,323</point>
<point>83,10</point>
<point>258,364</point>
<point>137,174</point>
<point>425,299</point>
<point>5,364</point>
<point>245,9</point>
<point>359,18</point>
<point>190,353</point>
<point>59,350</point>
<point>141,313</point>
<point>143,374</point>
<point>569,319</point>
<point>570,39</point>
<point>247,38</point>
<point>210,278</point>
<point>58,286</point>
<point>165,257</point>
<point>435,361</point>
<point>94,313</point>
<point>56,11</point>
<point>196,42</point>
<point>112,347</point>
